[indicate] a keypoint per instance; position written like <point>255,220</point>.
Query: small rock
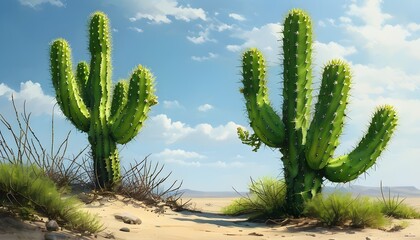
<point>368,238</point>
<point>57,236</point>
<point>128,218</point>
<point>410,235</point>
<point>52,225</point>
<point>124,229</point>
<point>109,235</point>
<point>311,234</point>
<point>256,234</point>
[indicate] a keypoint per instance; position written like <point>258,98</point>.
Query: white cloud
<point>223,26</point>
<point>162,127</point>
<point>35,3</point>
<point>203,36</point>
<point>371,82</point>
<point>32,95</point>
<point>266,38</point>
<point>325,52</point>
<point>370,12</point>
<point>172,104</point>
<point>204,58</point>
<point>193,159</point>
<point>237,17</point>
<point>178,153</point>
<point>384,43</point>
<point>233,48</point>
<point>205,107</point>
<point>413,27</point>
<point>160,11</point>
<point>136,29</point>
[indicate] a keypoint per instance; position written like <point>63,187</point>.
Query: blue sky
<point>194,48</point>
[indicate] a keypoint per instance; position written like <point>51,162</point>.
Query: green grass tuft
<point>332,210</point>
<point>26,188</point>
<point>266,200</point>
<point>393,206</point>
<point>339,209</point>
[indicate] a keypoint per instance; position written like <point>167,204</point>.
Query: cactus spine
<point>308,146</point>
<point>85,98</point>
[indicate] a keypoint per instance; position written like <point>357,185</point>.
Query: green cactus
<point>307,146</point>
<point>85,98</point>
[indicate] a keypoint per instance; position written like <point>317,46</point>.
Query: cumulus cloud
<point>181,157</point>
<point>387,44</point>
<point>205,107</point>
<point>136,29</point>
<point>172,104</point>
<point>222,27</point>
<point>162,127</point>
<point>237,17</point>
<point>203,36</point>
<point>204,58</point>
<point>325,52</point>
<point>36,3</point>
<point>193,159</point>
<point>266,38</point>
<point>161,11</point>
<point>30,93</point>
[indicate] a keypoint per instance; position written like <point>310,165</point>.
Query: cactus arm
<point>267,125</point>
<point>297,75</point>
<point>350,166</point>
<point>327,124</point>
<point>119,98</point>
<point>66,86</point>
<point>100,67</point>
<point>140,98</point>
<point>82,77</point>
<point>104,149</point>
<point>253,140</point>
<point>297,86</point>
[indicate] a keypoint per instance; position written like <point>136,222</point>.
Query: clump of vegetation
<point>26,188</point>
<point>20,144</point>
<point>266,200</point>
<point>393,206</point>
<point>339,209</point>
<point>145,181</point>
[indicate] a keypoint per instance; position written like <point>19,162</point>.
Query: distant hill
<point>200,194</point>
<point>402,191</point>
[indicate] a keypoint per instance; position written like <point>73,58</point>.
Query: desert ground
<point>205,223</point>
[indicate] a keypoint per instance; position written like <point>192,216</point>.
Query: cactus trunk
<point>300,187</point>
<point>105,161</point>
<point>308,145</point>
<point>85,99</point>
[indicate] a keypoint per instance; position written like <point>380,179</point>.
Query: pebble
<point>311,234</point>
<point>368,238</point>
<point>52,225</point>
<point>256,234</point>
<point>410,235</point>
<point>124,229</point>
<point>128,218</point>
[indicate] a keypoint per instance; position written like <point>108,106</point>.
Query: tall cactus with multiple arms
<point>85,98</point>
<point>308,146</point>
